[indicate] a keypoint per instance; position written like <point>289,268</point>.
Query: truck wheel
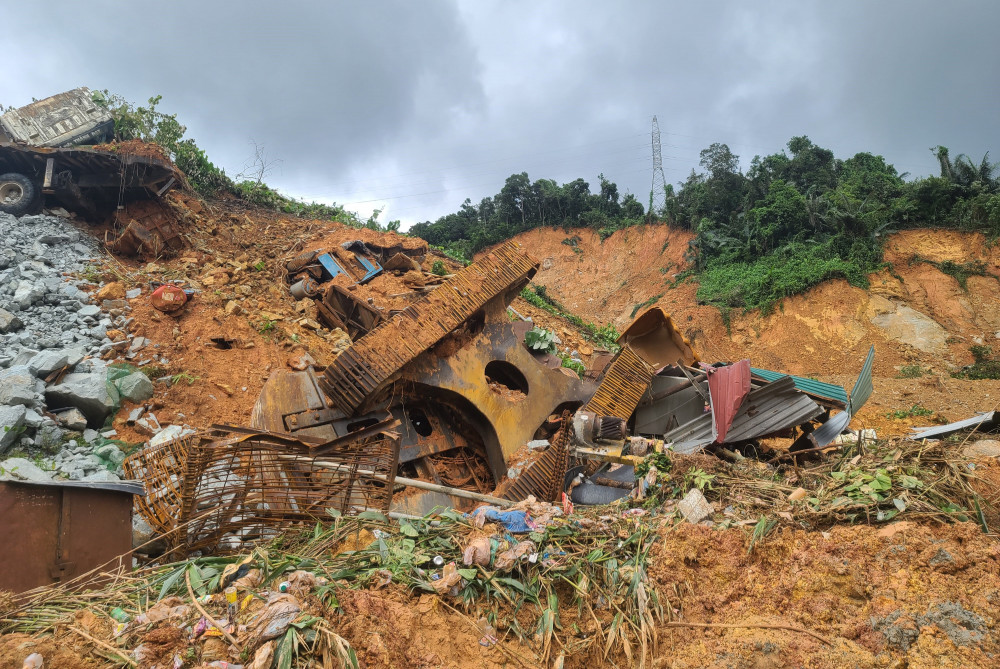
<point>17,194</point>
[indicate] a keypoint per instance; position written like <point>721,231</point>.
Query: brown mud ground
<point>907,594</point>
<point>902,595</point>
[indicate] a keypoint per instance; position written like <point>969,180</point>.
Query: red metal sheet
<point>728,387</point>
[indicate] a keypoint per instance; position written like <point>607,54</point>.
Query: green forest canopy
<point>794,219</point>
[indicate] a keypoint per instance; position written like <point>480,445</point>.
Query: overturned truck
<point>52,153</point>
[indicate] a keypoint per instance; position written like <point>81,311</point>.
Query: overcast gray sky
<point>416,105</point>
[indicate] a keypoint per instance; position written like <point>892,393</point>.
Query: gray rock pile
<point>56,393</point>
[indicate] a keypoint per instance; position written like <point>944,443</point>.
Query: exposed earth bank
<point>920,320</point>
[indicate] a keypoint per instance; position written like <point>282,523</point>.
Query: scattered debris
<point>983,422</point>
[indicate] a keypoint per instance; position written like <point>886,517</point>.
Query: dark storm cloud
<point>418,105</point>
<point>322,85</point>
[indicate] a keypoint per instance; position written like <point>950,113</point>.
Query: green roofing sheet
<point>830,391</point>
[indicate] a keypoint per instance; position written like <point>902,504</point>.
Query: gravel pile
<point>56,393</point>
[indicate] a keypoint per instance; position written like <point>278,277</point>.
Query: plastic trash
<point>33,661</point>
<point>489,638</point>
<point>168,297</point>
<point>515,521</point>
<point>120,615</point>
<point>449,579</point>
<point>477,552</point>
<point>275,617</point>
<point>168,607</point>
<point>301,583</point>
<point>264,657</point>
<point>508,558</point>
<point>283,586</point>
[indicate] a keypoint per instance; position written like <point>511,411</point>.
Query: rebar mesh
<point>246,488</point>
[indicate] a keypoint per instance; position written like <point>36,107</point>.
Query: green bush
<point>791,270</point>
<point>986,366</point>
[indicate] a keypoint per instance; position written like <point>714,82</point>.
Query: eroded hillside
<point>915,314</point>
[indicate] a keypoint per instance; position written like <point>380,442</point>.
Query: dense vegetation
<point>149,124</point>
<point>792,220</point>
<point>522,205</point>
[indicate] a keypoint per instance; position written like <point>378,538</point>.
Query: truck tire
<point>17,194</point>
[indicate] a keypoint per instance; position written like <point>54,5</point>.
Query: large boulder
<point>18,386</point>
<point>136,387</point>
<point>170,433</point>
<point>90,393</point>
<point>45,362</point>
<point>11,425</point>
<point>73,419</point>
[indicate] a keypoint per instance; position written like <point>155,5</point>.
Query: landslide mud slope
<point>913,313</point>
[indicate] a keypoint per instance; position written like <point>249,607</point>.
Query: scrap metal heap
<point>428,404</point>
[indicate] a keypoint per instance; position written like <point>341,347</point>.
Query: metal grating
<point>161,468</point>
<point>622,386</point>
<point>544,478</point>
<point>248,487</point>
<point>370,363</point>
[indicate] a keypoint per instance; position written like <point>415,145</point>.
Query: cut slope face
<point>913,312</point>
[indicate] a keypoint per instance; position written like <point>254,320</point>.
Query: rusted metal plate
<point>503,421</point>
<point>105,172</point>
<point>622,386</point>
<point>656,340</point>
<point>52,532</point>
<point>728,387</point>
<point>150,230</point>
<point>340,309</point>
<point>371,363</point>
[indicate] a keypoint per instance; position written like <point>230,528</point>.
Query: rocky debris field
<point>57,391</point>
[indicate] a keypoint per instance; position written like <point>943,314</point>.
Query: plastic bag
<point>449,579</point>
<point>477,552</point>
<point>272,621</point>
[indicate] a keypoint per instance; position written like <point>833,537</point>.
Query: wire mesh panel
<point>161,468</point>
<point>246,488</point>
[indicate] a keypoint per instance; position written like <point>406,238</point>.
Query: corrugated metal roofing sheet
<point>984,420</point>
<point>829,430</point>
<point>863,386</point>
<point>830,392</point>
<point>728,387</point>
<point>772,408</point>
